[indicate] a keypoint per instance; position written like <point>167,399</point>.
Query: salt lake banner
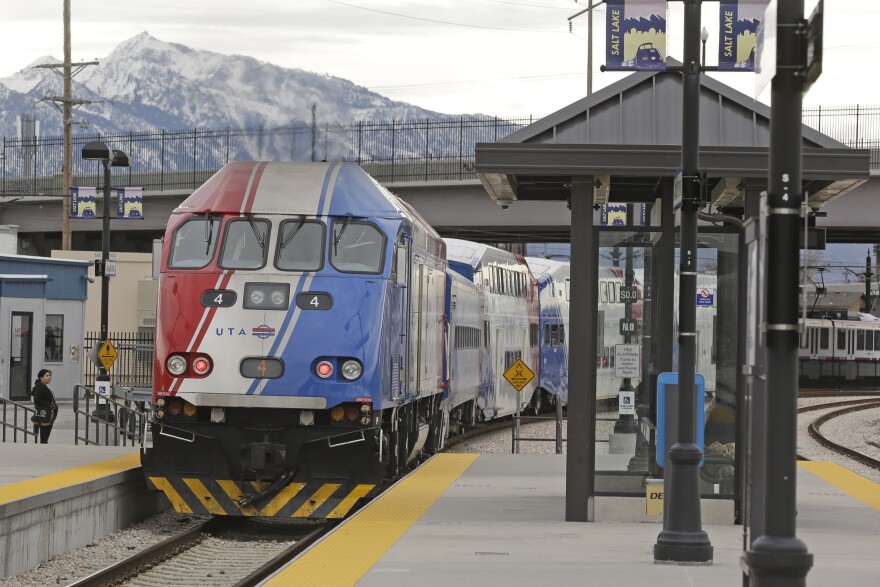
<point>635,35</point>
<point>82,203</point>
<point>738,27</point>
<point>130,203</point>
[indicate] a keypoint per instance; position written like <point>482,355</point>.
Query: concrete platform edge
<point>35,529</point>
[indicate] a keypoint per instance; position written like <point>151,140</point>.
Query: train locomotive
<point>316,338</point>
<point>300,350</point>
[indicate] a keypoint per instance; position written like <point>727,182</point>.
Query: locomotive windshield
<point>301,245</point>
<point>244,244</point>
<point>357,247</point>
<point>193,243</point>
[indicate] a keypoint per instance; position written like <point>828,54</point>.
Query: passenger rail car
<point>510,321</point>
<point>843,353</point>
<point>554,295</point>
<point>300,342</point>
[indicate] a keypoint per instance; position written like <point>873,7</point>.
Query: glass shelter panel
<point>632,353</point>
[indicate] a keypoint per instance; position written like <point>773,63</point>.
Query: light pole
<point>704,36</point>
<point>98,151</point>
<point>682,539</point>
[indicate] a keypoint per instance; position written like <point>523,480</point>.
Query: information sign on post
<point>628,360</point>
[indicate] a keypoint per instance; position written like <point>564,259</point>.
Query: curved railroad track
<point>841,408</point>
<point>212,554</point>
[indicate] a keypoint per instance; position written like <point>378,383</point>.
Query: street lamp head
<point>704,35</point>
<point>120,158</point>
<point>96,151</point>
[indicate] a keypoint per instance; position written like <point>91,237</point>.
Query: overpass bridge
<point>430,164</point>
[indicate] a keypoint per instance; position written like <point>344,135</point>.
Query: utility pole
<point>868,277</point>
<point>67,102</point>
<point>589,11</point>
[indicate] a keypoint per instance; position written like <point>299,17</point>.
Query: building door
<point>20,347</point>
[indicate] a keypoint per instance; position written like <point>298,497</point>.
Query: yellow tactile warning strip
<point>352,549</point>
<point>83,474</point>
<point>861,488</point>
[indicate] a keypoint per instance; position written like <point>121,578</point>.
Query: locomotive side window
<point>192,245</point>
<point>357,247</point>
<point>824,339</point>
<point>245,242</point>
<point>300,245</point>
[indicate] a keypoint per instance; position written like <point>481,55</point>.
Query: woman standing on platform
<point>44,404</point>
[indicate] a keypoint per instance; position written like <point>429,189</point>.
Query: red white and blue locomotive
<point>316,337</point>
<point>303,350</point>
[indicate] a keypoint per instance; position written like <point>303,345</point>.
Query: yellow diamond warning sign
<point>519,375</point>
<point>107,354</point>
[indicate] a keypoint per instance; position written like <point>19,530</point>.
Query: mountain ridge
<point>147,84</point>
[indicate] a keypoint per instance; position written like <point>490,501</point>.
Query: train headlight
<point>176,365</point>
<point>266,296</point>
<point>278,298</point>
<point>306,418</point>
<point>189,410</point>
<point>351,370</point>
<point>256,297</point>
<point>218,415</point>
<point>324,369</point>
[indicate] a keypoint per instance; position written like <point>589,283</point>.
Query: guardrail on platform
<point>109,421</point>
<point>16,421</point>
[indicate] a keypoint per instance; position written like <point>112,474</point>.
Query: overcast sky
<point>503,57</point>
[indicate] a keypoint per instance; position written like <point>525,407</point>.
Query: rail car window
<point>860,340</point>
<point>603,292</point>
<point>877,340</point>
<point>192,246</point>
<point>554,334</point>
<point>300,245</point>
<point>562,334</point>
<point>841,339</point>
<point>245,242</point>
<point>357,247</point>
<point>546,335</point>
<point>824,339</point>
<point>568,289</point>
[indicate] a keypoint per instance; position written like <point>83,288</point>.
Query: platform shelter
<point>614,157</point>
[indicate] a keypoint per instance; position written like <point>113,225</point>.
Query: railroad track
<point>220,552</point>
<point>842,408</point>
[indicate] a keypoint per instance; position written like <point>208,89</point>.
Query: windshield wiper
<point>339,234</point>
<point>209,231</point>
<point>289,237</point>
<point>253,224</point>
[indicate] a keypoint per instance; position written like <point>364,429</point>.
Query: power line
<point>459,24</point>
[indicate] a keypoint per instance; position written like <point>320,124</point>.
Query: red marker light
<point>201,365</point>
<point>324,369</point>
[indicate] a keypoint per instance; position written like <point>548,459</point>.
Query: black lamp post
<point>98,151</point>
<point>682,539</point>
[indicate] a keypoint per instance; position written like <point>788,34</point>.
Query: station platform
<point>464,519</point>
<point>60,496</point>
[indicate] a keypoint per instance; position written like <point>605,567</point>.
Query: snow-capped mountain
<point>146,84</point>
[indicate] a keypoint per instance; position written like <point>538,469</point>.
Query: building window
<point>54,338</point>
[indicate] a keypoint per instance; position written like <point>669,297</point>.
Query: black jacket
<point>44,399</point>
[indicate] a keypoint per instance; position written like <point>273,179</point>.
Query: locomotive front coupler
<point>265,459</point>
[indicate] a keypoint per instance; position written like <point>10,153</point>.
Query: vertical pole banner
<point>130,203</point>
<point>635,35</point>
<point>738,27</point>
<point>83,203</point>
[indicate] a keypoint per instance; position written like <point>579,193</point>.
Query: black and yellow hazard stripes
<point>224,497</point>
